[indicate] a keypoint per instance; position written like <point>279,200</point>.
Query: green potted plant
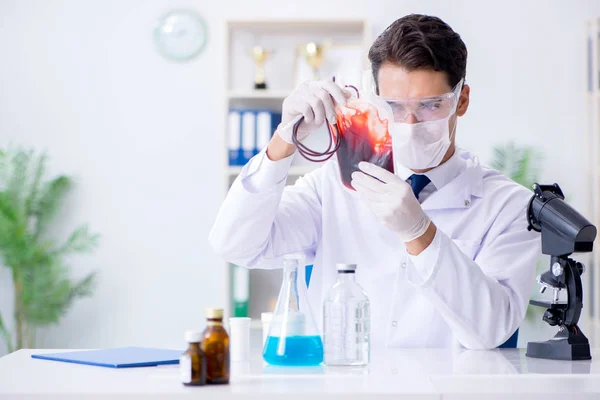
<point>29,203</point>
<point>519,163</point>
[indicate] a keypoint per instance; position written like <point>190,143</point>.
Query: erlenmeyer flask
<point>293,339</point>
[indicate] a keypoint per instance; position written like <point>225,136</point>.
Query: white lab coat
<point>470,287</point>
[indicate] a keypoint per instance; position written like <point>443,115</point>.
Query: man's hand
<point>393,202</point>
<point>313,100</point>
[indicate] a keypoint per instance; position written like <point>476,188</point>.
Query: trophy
<point>260,55</point>
<point>314,56</point>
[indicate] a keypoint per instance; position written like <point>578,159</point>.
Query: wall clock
<point>180,35</point>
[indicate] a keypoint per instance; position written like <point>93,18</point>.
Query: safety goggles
<point>426,108</point>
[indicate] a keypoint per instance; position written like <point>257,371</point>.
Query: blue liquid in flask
<point>298,351</point>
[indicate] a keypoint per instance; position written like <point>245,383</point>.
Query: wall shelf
<point>249,95</point>
<point>295,170</point>
<point>350,38</point>
<point>268,99</point>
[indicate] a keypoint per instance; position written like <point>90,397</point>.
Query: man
<point>441,244</point>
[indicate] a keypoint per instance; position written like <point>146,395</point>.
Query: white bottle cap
<point>240,321</point>
<point>266,316</point>
<point>193,336</point>
<point>239,339</point>
<point>345,267</point>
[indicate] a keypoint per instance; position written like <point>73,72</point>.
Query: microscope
<point>564,231</point>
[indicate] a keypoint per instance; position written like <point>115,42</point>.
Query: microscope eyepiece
<point>564,230</point>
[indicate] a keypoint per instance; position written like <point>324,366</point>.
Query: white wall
<point>142,136</point>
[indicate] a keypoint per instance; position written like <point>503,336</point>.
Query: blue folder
<point>123,357</point>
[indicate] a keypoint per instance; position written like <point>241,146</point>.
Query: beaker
<point>293,339</point>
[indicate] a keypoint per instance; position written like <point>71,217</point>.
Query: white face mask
<point>421,145</point>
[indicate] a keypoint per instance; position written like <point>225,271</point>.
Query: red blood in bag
<point>364,136</point>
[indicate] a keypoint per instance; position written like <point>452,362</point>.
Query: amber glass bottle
<point>193,362</point>
<point>215,345</point>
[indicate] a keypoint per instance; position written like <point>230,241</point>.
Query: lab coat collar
<point>441,175</point>
<point>445,173</point>
<point>459,191</point>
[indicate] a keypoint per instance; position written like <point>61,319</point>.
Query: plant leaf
<point>81,240</point>
<point>46,207</point>
<point>5,335</point>
<point>28,204</point>
<point>4,169</point>
<point>499,160</point>
<point>8,219</point>
<point>85,287</point>
<point>16,183</point>
<point>48,292</point>
<point>34,187</point>
<point>517,163</point>
<point>13,231</point>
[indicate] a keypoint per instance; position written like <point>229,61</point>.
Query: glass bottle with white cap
<point>346,321</point>
<point>293,339</point>
<point>192,363</point>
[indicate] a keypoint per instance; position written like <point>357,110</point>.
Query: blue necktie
<point>418,182</point>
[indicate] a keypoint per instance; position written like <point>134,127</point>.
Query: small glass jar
<point>192,363</point>
<point>215,344</point>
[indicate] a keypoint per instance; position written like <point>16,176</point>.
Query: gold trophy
<point>260,55</point>
<point>314,54</point>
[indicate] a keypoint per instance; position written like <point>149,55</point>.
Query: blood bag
<point>364,136</point>
<point>361,133</point>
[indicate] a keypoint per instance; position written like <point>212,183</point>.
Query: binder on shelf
<point>241,291</point>
<point>235,136</point>
<point>263,129</point>
<point>248,135</point>
<point>275,121</point>
<point>249,132</point>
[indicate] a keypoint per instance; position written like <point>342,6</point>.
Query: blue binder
<point>123,357</point>
<point>243,138</point>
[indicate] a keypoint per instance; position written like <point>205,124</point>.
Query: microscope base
<point>559,349</point>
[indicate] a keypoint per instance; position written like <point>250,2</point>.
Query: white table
<point>423,373</point>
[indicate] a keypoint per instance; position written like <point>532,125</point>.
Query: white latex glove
<point>392,200</point>
<point>315,101</point>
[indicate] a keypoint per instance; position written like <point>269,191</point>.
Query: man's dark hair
<point>420,42</point>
